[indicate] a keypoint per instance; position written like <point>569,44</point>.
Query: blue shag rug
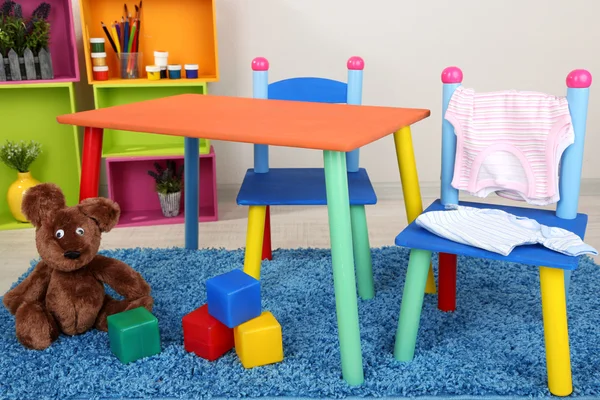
<point>492,347</point>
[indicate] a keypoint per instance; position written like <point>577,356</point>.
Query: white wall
<point>509,44</point>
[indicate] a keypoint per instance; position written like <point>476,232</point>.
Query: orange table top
<point>337,127</point>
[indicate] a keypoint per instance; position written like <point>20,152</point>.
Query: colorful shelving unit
<point>131,187</point>
<point>29,111</point>
<point>187,30</point>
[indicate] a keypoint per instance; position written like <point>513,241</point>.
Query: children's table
<point>333,128</point>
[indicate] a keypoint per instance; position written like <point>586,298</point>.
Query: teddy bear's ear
<point>103,211</point>
<point>40,201</point>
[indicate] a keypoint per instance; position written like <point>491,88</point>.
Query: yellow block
<point>259,341</point>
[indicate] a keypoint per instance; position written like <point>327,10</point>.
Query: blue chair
<point>264,187</point>
<point>555,268</point>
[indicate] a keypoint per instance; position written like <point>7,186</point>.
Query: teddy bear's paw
<point>35,327</point>
<point>147,302</point>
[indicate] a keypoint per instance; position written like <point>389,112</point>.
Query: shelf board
<point>155,217</point>
<point>147,150</point>
<point>7,222</point>
<point>119,83</point>
<point>36,84</point>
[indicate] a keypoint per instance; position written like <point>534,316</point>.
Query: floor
<point>292,227</point>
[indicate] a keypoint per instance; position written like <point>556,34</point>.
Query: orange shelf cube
<point>184,28</point>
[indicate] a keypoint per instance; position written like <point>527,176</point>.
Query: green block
<point>133,334</point>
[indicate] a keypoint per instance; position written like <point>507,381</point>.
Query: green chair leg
<point>412,303</point>
<point>362,252</point>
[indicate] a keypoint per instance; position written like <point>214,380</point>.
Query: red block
<point>206,336</point>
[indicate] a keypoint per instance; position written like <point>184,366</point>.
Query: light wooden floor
<point>292,227</point>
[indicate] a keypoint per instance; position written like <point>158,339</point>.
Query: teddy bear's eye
<point>60,233</point>
<point>79,231</point>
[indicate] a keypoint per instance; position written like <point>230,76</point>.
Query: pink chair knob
<point>260,64</point>
<point>579,79</point>
<point>356,63</point>
<point>452,75</point>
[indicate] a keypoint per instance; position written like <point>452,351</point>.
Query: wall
<point>510,44</point>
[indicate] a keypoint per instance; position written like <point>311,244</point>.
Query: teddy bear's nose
<point>72,255</point>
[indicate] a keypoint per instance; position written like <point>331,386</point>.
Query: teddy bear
<point>65,291</point>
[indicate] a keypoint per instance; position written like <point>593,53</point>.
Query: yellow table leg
<point>254,240</point>
<point>556,331</point>
<point>410,185</point>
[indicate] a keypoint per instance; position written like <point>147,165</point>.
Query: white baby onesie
<point>509,142</point>
<point>498,231</point>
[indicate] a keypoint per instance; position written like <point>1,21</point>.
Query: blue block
<point>415,237</point>
<point>233,298</point>
<point>300,187</point>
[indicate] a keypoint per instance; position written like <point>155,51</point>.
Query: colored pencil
<point>118,29</point>
<point>131,35</point>
<point>139,29</point>
<point>115,38</point>
<point>110,39</point>
<point>126,36</point>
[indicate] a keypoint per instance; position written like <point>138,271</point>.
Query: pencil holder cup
<point>129,65</point>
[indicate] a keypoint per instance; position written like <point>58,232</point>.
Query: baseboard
<point>386,190</point>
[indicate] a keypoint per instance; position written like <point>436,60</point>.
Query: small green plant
<point>19,33</point>
<point>169,179</point>
<point>20,155</point>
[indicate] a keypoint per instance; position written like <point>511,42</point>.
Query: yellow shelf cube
<point>259,341</point>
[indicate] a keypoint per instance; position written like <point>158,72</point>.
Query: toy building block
<point>133,334</point>
<point>259,341</point>
<point>233,298</point>
<point>205,335</point>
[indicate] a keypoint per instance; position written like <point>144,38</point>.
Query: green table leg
<point>340,230</point>
<point>412,302</point>
<point>362,252</point>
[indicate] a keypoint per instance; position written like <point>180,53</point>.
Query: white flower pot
<point>169,203</point>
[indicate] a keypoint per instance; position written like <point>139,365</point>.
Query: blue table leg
<point>342,259</point>
<point>191,184</point>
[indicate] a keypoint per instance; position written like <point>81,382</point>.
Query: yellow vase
<point>15,194</point>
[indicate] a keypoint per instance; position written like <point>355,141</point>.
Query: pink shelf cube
<point>130,185</point>
<point>63,46</point>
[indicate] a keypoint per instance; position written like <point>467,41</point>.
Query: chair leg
<point>556,331</point>
<point>267,254</point>
<point>362,252</point>
<point>254,240</point>
<point>447,282</point>
<point>412,302</point>
<point>410,185</point>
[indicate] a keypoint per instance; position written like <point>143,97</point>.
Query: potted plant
<point>19,156</point>
<point>24,43</point>
<point>169,182</point>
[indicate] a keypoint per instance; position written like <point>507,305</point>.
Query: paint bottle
<point>100,73</point>
<point>97,45</point>
<point>161,58</point>
<point>163,72</point>
<point>174,71</point>
<point>153,72</point>
<point>191,71</point>
<point>98,59</point>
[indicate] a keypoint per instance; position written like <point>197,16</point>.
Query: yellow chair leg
<point>410,186</point>
<point>254,240</point>
<point>556,331</point>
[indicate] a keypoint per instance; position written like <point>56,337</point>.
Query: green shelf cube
<point>133,334</point>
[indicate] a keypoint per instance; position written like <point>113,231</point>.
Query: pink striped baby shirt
<point>509,142</point>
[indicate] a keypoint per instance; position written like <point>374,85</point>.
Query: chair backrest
<point>315,90</point>
<point>578,83</point>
